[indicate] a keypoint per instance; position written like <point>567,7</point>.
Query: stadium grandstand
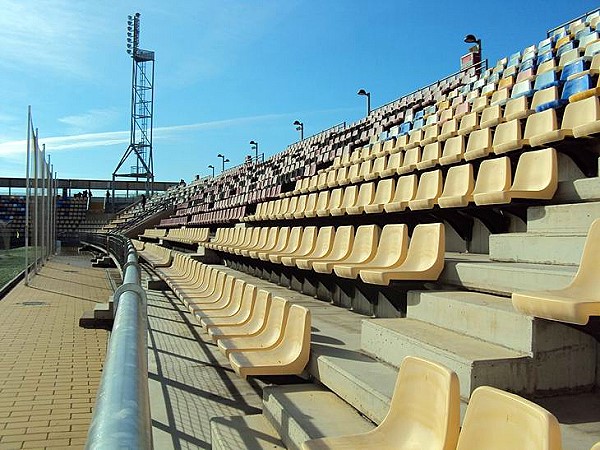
<point>422,278</point>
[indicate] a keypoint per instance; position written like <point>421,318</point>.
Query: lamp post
<point>368,95</point>
<point>472,39</point>
<point>223,161</point>
<point>254,145</point>
<point>300,127</point>
<point>210,166</point>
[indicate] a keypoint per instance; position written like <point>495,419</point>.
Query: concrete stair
<point>248,432</point>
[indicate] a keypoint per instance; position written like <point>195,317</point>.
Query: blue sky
<point>228,72</point>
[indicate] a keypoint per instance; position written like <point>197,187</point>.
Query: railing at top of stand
<point>122,412</point>
<point>562,25</point>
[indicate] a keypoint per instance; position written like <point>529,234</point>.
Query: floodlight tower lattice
<point>142,110</point>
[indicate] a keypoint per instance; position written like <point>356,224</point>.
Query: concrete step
<point>484,316</point>
<point>475,362</point>
<point>583,189</point>
<point>306,411</point>
<point>478,272</point>
<point>573,218</point>
<point>247,432</point>
<point>538,247</point>
<point>564,358</point>
<point>360,380</point>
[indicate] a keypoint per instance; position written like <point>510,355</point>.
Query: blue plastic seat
<point>405,128</point>
<point>571,87</point>
<point>418,115</point>
<point>545,56</point>
<point>527,64</point>
<point>565,48</point>
<point>418,123</point>
<point>383,136</point>
<point>545,80</point>
<point>572,68</point>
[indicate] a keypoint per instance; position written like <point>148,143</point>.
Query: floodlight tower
<point>142,109</point>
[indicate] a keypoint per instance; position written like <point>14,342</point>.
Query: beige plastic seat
<point>335,201</point>
<point>321,183</point>
<point>468,123</point>
<point>272,215</point>
<point>227,304</point>
<point>430,156</point>
<point>424,260</point>
<point>449,129</point>
<point>393,164</point>
<point>275,246</point>
<point>424,413</point>
<point>430,134</point>
<point>479,144</point>
<point>269,240</point>
<point>378,167</point>
<point>536,176</point>
<point>596,446</point>
<point>211,282</point>
<point>307,244</point>
<point>284,208</point>
<point>321,208</point>
<point>363,171</point>
<point>352,173</point>
<point>232,316</point>
<point>340,177</point>
<point>428,191</point>
<point>454,149</point>
<point>288,356</point>
<point>542,128</point>
<point>309,207</point>
<point>500,97</point>
<point>363,251</point>
<point>269,334</point>
<point>255,243</point>
<point>366,194</point>
<point>384,193</point>
<point>314,182</point>
<point>220,294</point>
<point>390,251</point>
<point>517,108</point>
<point>292,244</point>
<point>414,138</point>
<point>508,137</point>
<point>406,188</point>
<point>479,104</point>
<point>253,325</point>
<point>576,302</point>
<point>298,211</point>
<point>331,180</point>
<point>493,183</point>
<point>491,116</point>
<point>323,246</point>
<point>458,187</point>
<point>363,246</point>
<point>293,205</point>
<point>348,200</point>
<point>341,247</point>
<point>582,118</point>
<point>499,420</point>
<point>411,159</point>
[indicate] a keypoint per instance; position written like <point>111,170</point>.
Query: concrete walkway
<point>49,366</point>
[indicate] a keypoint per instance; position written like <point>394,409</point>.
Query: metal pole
<point>43,205</point>
<point>35,194</point>
<point>27,194</point>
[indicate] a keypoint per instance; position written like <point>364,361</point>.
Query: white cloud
<point>90,121</point>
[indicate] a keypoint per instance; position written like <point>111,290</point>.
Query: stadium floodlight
<point>210,166</point>
<point>254,145</point>
<point>472,39</point>
<point>368,95</point>
<point>224,160</point>
<point>299,127</point>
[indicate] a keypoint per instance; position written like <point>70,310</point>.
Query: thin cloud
<point>90,121</point>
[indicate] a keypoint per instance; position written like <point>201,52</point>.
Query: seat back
<point>349,198</point>
<point>426,249</point>
<point>458,187</point>
<point>508,136</point>
<point>541,123</point>
<point>276,321</point>
<point>536,175</point>
<point>364,246</point>
<point>335,199</point>
<point>479,144</point>
<point>309,237</point>
<point>494,177</point>
<point>294,344</point>
<point>431,154</point>
<point>281,242</point>
<point>411,158</point>
<point>586,277</point>
<point>353,171</point>
<point>322,202</point>
<point>394,161</point>
<point>454,149</point>
<point>342,243</point>
<point>293,241</point>
<point>384,191</point>
<point>365,195</point>
<point>293,205</point>
<point>392,247</point>
<point>379,165</point>
<point>323,243</point>
<point>581,112</point>
<point>262,238</point>
<point>430,185</point>
<point>406,187</point>
<point>425,407</point>
<point>497,420</point>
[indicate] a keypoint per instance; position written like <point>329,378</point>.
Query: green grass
<point>12,262</point>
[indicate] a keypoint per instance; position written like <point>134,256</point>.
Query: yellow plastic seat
<point>542,128</point>
<point>310,205</point>
<point>449,129</point>
<point>424,260</point>
<point>493,182</point>
<point>284,207</point>
<point>428,191</point>
<point>406,187</point>
<point>430,134</point>
<point>352,173</point>
<point>363,251</point>
<point>393,164</point>
<point>321,182</point>
<point>389,252</point>
<point>479,104</point>
<point>499,420</point>
<point>430,156</point>
<point>307,244</point>
<point>411,159</point>
<point>275,246</point>
<point>491,116</point>
<point>252,239</point>
<point>348,200</point>
<point>272,215</point>
<point>335,201</point>
<point>262,238</point>
<point>340,177</point>
<point>292,206</point>
<point>384,193</point>
<point>269,241</point>
<point>323,246</point>
<point>232,316</point>
<point>596,446</point>
<point>365,196</point>
<point>253,325</point>
<point>576,302</point>
<point>269,334</point>
<point>300,207</point>
<point>424,413</point>
<point>364,241</point>
<point>508,137</point>
<point>499,97</point>
<point>321,206</point>
<point>468,123</point>
<point>331,180</point>
<point>517,108</point>
<point>212,282</point>
<point>288,357</point>
<point>479,144</point>
<point>363,171</point>
<point>458,187</point>
<point>454,149</point>
<point>536,176</point>
<point>378,167</point>
<point>226,305</point>
<point>582,118</point>
<point>219,296</point>
<point>293,242</point>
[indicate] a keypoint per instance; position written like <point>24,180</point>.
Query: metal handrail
<point>122,412</point>
<point>552,30</point>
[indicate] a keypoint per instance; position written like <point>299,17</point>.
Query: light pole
<point>471,39</point>
<point>300,127</point>
<point>213,169</point>
<point>254,145</point>
<point>223,161</point>
<point>368,95</point>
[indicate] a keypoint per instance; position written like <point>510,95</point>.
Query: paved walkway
<point>49,366</point>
